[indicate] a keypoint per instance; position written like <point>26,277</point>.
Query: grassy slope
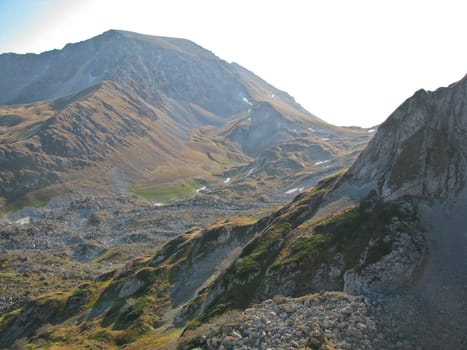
<point>99,137</point>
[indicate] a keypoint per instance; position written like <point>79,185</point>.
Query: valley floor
<point>72,244</point>
<point>76,240</point>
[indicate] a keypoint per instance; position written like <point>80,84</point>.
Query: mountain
<point>421,149</point>
<point>145,114</point>
<point>103,128</point>
<point>390,230</point>
<point>155,68</point>
<point>151,66</point>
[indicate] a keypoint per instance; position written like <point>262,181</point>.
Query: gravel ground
<point>329,320</point>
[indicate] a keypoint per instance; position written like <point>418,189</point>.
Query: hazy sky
<point>348,62</point>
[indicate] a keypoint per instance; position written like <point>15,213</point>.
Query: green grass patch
<point>138,307</point>
<point>102,335</point>
<point>212,312</point>
<point>254,256</point>
<point>7,320</point>
<point>97,218</point>
<point>109,255</point>
<point>16,205</point>
<point>166,194</point>
<point>252,262</point>
<point>344,225</point>
<point>39,203</point>
<point>82,291</point>
<point>303,247</point>
<point>194,324</point>
<point>281,228</point>
<point>52,298</point>
<point>165,340</point>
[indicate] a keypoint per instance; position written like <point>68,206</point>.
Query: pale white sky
<point>348,62</point>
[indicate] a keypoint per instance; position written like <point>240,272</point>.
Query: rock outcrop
<point>421,149</point>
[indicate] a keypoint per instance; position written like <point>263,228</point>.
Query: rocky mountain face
<point>363,232</point>
<point>142,113</point>
<point>376,231</point>
<point>150,66</point>
<point>421,149</point>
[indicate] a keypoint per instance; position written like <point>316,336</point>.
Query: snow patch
<point>296,189</point>
<point>250,171</point>
<point>323,162</point>
<point>312,130</point>
<point>371,131</point>
<point>272,95</point>
<point>324,139</point>
<point>23,221</point>
<point>227,180</point>
<point>201,189</point>
<point>244,99</point>
<point>158,204</point>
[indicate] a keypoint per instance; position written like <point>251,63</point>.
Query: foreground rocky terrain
<point>76,239</point>
<point>329,320</point>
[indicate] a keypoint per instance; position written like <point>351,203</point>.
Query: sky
<point>347,62</point>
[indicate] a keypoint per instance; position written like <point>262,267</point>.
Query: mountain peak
<point>181,45</point>
<point>421,148</point>
<point>151,66</point>
<point>461,81</point>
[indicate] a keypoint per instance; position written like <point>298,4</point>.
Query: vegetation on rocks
<point>97,218</point>
<point>168,193</point>
<point>304,246</point>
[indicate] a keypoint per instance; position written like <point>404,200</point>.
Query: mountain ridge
<point>430,127</point>
<point>185,88</point>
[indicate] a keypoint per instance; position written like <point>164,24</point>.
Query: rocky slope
<point>150,66</point>
<point>142,113</point>
<point>421,149</point>
<point>329,320</point>
<point>390,228</point>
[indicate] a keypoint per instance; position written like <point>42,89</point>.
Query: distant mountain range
<point>125,111</point>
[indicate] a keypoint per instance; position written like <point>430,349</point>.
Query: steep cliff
<point>421,149</point>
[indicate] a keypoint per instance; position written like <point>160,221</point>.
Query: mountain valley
<point>157,197</point>
<point>190,120</point>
